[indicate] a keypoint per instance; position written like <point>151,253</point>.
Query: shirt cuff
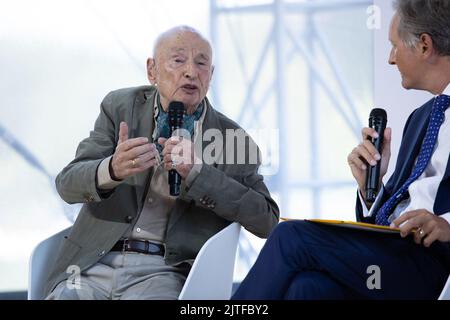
<point>195,171</point>
<point>366,212</point>
<point>446,216</point>
<point>105,182</point>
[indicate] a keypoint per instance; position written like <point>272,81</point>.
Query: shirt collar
<point>447,90</point>
<point>157,104</point>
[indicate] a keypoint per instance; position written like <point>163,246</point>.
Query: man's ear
<point>151,70</point>
<point>426,45</point>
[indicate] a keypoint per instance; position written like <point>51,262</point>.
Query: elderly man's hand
<point>178,152</point>
<point>426,226</point>
<point>132,156</point>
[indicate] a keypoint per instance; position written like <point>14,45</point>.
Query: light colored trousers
<point>125,276</point>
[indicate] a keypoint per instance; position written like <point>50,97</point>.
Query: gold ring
<point>421,233</point>
<point>134,162</point>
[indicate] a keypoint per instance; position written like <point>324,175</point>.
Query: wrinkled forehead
<point>184,42</point>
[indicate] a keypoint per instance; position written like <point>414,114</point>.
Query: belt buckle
<point>126,245</point>
<point>153,248</point>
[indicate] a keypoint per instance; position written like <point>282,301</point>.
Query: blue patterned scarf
<point>162,123</point>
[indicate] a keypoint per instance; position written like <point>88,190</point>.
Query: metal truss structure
<point>285,44</point>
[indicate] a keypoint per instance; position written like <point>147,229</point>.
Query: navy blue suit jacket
<point>413,135</point>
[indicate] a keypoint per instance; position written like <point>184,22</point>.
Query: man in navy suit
<point>305,260</point>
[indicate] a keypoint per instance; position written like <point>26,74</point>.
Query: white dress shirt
<point>423,191</point>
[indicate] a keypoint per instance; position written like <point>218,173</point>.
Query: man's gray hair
<point>425,16</point>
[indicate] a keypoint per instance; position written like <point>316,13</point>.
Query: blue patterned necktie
<point>437,117</point>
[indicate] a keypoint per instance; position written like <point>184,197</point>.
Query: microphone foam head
<point>378,113</point>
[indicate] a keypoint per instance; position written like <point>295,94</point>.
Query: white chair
<point>41,261</point>
<point>211,275</point>
<point>445,295</point>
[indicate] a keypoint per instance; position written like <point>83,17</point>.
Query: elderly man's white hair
<point>173,31</point>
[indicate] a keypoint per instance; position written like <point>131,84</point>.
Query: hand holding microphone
<point>176,114</point>
<point>370,159</point>
<point>178,153</point>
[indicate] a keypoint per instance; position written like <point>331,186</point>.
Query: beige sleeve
<point>104,180</point>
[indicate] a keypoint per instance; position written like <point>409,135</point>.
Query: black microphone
<point>176,113</point>
<point>377,121</point>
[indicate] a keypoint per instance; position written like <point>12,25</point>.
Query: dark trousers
<point>305,260</point>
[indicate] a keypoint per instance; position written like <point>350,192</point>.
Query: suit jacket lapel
<point>143,126</point>
<point>211,121</point>
<point>410,147</point>
<point>442,202</point>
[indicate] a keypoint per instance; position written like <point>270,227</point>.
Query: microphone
<point>176,113</point>
<point>377,121</point>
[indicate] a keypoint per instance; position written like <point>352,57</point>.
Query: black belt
<point>141,246</point>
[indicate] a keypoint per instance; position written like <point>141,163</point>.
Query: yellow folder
<point>353,225</point>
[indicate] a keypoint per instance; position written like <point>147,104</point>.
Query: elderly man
<point>132,239</point>
<point>303,260</point>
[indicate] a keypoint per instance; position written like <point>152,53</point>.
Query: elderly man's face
<point>182,69</point>
<point>408,60</point>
